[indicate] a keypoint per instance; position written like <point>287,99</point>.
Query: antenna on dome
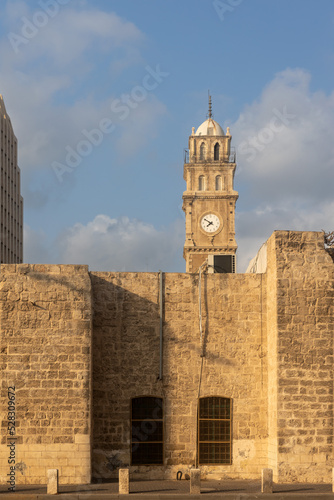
<point>210,105</point>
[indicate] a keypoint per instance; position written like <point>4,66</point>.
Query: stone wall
<point>300,340</point>
<point>126,365</point>
<point>272,356</point>
<point>267,345</point>
<point>45,353</point>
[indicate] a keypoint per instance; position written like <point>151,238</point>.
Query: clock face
<point>210,223</point>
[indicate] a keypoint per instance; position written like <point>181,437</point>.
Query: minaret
<point>209,200</point>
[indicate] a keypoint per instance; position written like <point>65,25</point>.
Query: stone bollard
<point>52,485</point>
<point>124,483</point>
<point>195,481</point>
<point>267,481</point>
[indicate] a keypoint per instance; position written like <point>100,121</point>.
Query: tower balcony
<point>227,158</point>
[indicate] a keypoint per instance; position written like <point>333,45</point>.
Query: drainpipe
<point>161,314</point>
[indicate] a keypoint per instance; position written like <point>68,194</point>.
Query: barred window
<point>214,430</point>
<point>147,431</point>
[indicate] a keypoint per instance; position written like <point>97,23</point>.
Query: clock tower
<point>209,200</point>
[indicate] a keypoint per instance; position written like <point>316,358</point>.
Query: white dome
<point>210,127</point>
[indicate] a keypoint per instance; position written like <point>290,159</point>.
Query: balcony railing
<point>231,158</point>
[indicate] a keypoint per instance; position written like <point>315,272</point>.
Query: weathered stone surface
<point>267,481</point>
<point>215,181</point>
<point>300,355</point>
<point>195,481</point>
<point>267,345</point>
<point>45,352</point>
<point>124,482</point>
<point>52,482</point>
<point>126,365</point>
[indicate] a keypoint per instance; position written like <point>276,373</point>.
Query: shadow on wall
<point>126,358</point>
<point>126,355</point>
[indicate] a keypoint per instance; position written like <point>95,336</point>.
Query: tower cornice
<point>197,195</point>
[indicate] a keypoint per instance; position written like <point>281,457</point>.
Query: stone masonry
<point>126,365</point>
<point>267,345</point>
<point>45,353</point>
<point>301,356</point>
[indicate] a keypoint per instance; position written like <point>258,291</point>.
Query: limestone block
<point>267,481</point>
<point>195,481</point>
<point>52,484</point>
<point>124,483</point>
<point>333,480</point>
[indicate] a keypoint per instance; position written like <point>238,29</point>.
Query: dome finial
<point>210,105</point>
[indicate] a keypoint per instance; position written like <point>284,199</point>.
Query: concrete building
<point>161,372</point>
<point>11,235</point>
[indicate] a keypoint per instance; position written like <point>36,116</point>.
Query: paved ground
<point>173,490</point>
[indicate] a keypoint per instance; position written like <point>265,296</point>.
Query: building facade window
<point>201,183</point>
<point>147,431</point>
<point>214,430</point>
<point>202,151</point>
<point>216,152</point>
<point>219,183</point>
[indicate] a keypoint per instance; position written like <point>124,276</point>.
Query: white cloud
<point>285,161</point>
<point>255,226</point>
<point>41,84</point>
<point>293,157</point>
<point>107,244</point>
<point>65,36</point>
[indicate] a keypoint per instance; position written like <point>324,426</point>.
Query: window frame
<point>146,442</point>
<point>202,151</point>
<point>216,152</point>
<point>219,182</point>
<point>201,183</point>
<point>213,442</point>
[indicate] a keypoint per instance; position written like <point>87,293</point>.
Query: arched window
<point>147,431</point>
<point>216,152</point>
<point>219,183</point>
<point>202,151</point>
<point>214,430</point>
<point>201,183</point>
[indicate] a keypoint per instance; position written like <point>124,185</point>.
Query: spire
<point>210,105</point>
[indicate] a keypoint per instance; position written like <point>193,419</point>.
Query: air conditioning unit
<point>221,263</point>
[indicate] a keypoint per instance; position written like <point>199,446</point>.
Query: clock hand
<point>209,223</point>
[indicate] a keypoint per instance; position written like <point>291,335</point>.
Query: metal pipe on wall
<point>161,322</point>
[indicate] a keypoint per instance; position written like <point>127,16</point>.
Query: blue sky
<point>133,77</point>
